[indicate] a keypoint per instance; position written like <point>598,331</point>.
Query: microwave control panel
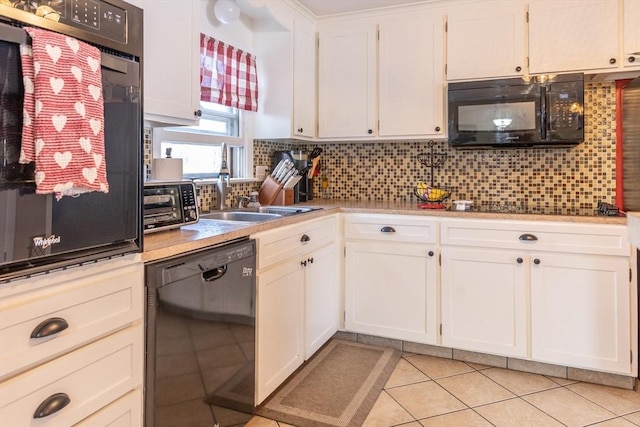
<point>565,107</point>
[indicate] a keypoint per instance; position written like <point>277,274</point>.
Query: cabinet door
<point>322,298</point>
<point>580,311</point>
<point>279,325</point>
<point>171,62</point>
<point>573,35</point>
<point>391,290</point>
<point>346,81</point>
<point>411,74</point>
<point>304,79</point>
<point>484,296</point>
<point>631,33</point>
<point>486,40</point>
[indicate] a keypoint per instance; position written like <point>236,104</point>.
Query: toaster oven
<point>168,205</point>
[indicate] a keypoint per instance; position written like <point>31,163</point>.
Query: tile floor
<point>430,391</point>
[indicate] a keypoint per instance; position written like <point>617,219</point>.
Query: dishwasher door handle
<point>214,274</point>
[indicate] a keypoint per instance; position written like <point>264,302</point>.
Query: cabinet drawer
<point>124,412</point>
<point>395,228</point>
<point>541,236</point>
<point>91,377</point>
<point>278,245</point>
<point>92,307</point>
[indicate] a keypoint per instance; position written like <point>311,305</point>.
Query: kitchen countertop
<point>207,232</point>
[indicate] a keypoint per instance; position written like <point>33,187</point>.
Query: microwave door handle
<point>543,113</point>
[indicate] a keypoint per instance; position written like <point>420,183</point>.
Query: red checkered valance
<point>228,75</point>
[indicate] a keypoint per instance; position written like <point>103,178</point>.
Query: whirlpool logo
<point>45,242</point>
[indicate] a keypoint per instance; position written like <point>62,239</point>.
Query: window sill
<point>211,181</point>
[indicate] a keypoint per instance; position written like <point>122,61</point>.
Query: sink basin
<point>263,213</point>
<point>243,216</point>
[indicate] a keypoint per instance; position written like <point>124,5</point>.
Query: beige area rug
<point>335,388</point>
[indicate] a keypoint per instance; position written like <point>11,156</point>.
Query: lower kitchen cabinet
<point>484,301</point>
<point>559,293</point>
<point>72,345</point>
<point>581,311</point>
<point>391,274</point>
<point>297,298</point>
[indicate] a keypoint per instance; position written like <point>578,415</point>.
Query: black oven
<point>532,111</point>
<point>38,232</point>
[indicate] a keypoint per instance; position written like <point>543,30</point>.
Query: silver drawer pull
<point>528,237</point>
<point>387,229</point>
<point>48,327</point>
<point>51,405</point>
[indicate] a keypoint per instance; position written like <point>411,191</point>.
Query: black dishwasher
<point>200,337</point>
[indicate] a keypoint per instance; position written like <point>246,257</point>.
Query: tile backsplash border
<point>388,170</point>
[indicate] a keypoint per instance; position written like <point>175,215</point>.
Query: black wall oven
<point>533,111</point>
<point>39,233</point>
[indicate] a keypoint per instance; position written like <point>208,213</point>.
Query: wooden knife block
<point>284,197</point>
<point>269,190</point>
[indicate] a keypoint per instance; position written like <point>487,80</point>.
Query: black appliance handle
<point>543,113</point>
<point>214,273</point>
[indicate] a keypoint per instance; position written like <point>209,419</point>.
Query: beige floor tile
<point>436,367</point>
<point>561,381</point>
<point>516,412</point>
<point>405,373</point>
<point>634,418</point>
<point>617,400</point>
<point>478,366</point>
<point>261,422</point>
<point>616,422</point>
<point>568,407</point>
<point>426,399</point>
<point>387,412</point>
<point>411,424</point>
<point>518,382</point>
<point>474,389</point>
<point>467,418</point>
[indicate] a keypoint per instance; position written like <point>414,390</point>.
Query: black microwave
<point>531,111</point>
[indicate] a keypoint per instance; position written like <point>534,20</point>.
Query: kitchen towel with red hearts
<point>63,117</point>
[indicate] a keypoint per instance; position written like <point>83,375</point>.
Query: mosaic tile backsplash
<point>388,171</point>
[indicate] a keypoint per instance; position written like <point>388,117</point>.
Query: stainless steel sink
<point>264,213</point>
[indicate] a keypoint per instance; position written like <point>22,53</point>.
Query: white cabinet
<point>581,311</point>
<point>304,78</point>
<point>171,62</point>
<point>570,282</point>
<point>573,35</point>
<point>73,336</point>
<point>631,33</point>
<point>391,277</point>
<point>486,40</point>
<point>347,81</point>
<point>298,298</point>
<point>287,79</point>
<point>484,301</point>
<point>411,76</point>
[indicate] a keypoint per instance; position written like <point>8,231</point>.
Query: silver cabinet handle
<point>48,327</point>
<point>387,229</point>
<point>528,237</point>
<point>51,405</point>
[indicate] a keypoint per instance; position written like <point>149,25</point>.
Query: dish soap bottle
<point>324,184</point>
<point>253,200</point>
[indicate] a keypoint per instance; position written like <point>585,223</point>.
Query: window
<point>200,147</point>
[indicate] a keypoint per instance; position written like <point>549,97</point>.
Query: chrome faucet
<point>223,184</point>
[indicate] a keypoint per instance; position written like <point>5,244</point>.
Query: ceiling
<point>332,7</point>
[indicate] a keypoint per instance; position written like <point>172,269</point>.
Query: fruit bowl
<point>431,194</point>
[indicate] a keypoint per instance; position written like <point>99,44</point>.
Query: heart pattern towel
<point>63,117</point>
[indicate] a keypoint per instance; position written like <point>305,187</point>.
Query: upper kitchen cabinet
<point>286,50</point>
<point>486,40</point>
<point>346,81</point>
<point>631,33</point>
<point>411,77</point>
<point>171,62</point>
<point>573,35</point>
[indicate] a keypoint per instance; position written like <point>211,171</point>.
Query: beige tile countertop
<point>207,232</point>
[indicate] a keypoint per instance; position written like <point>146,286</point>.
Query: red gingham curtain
<point>227,75</point>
